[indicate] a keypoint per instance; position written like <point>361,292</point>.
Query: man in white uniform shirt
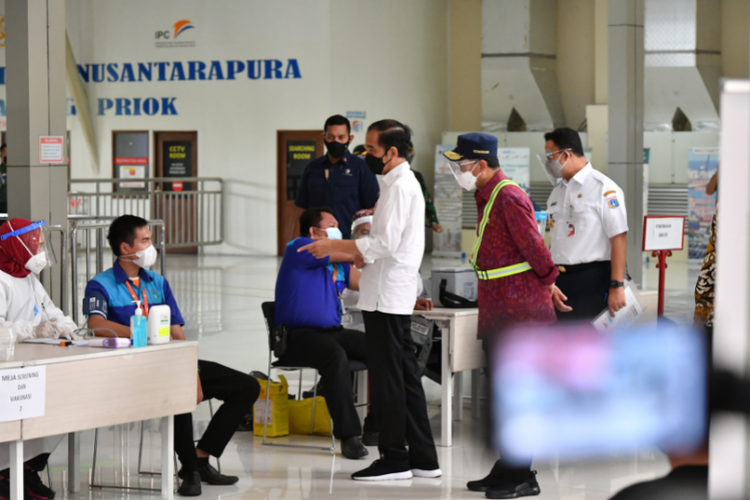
<point>392,253</point>
<point>588,230</point>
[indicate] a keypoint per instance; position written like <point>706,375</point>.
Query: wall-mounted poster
<point>447,199</point>
<point>702,164</point>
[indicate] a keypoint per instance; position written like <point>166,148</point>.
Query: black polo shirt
<point>350,187</point>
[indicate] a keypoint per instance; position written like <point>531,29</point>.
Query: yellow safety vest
<point>502,272</point>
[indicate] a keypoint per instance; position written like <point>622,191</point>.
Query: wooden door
<point>176,155</point>
<point>294,150</point>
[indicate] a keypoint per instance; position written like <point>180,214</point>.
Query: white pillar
<point>625,100</point>
<point>35,62</point>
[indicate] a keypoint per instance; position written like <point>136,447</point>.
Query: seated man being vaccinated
<point>26,308</point>
<point>110,301</point>
<point>309,305</point>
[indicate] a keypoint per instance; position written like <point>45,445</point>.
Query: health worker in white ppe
<point>26,308</point>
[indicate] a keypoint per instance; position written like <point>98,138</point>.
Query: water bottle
<point>463,257</point>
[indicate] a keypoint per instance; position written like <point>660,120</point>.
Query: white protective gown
<point>21,301</point>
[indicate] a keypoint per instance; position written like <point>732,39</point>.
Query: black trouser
<point>396,392</point>
<point>587,288</point>
<point>516,470</point>
<point>329,350</point>
<point>38,463</point>
<point>237,390</point>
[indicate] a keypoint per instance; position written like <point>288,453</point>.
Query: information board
<point>662,232</point>
<point>178,162</point>
<point>298,155</point>
<point>702,164</point>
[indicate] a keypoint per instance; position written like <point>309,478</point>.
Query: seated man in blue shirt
<point>109,304</point>
<point>308,303</point>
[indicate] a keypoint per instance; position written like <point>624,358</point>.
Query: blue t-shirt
<point>306,294</point>
<point>108,296</point>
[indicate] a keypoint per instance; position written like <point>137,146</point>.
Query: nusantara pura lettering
<point>255,69</point>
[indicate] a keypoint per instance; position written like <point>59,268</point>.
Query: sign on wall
<point>702,164</point>
<point>447,199</point>
<point>514,163</point>
<point>178,162</point>
<point>298,155</point>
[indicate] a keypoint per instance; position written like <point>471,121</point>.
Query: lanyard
<point>144,307</point>
<point>342,308</point>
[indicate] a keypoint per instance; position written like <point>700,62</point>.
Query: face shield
<point>361,227</point>
<point>35,238</point>
<point>552,168</point>
<point>463,170</point>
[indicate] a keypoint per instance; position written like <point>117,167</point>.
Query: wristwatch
<point>616,284</point>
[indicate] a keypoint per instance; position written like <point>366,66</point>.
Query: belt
<point>572,268</point>
<point>503,272</point>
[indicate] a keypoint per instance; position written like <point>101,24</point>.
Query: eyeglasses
<point>550,155</point>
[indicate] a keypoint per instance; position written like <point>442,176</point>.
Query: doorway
<point>176,155</point>
<point>294,150</point>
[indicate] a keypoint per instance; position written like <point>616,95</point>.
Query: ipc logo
<point>177,29</point>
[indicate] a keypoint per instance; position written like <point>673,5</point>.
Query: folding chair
<point>269,312</point>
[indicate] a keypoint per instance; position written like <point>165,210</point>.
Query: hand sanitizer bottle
<point>138,331</point>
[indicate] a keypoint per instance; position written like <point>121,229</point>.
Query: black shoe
<point>210,475</point>
<point>370,438</point>
<point>352,448</point>
<point>515,489</point>
<point>34,486</point>
<point>191,484</point>
<point>247,424</point>
<point>384,470</point>
<point>494,478</point>
<point>5,490</point>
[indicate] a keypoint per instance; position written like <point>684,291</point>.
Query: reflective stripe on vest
<point>501,272</point>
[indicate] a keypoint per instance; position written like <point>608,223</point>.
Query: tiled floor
<point>220,299</point>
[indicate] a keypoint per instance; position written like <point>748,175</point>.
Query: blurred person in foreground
<point>515,270</point>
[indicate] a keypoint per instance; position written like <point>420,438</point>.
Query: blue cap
<point>473,145</point>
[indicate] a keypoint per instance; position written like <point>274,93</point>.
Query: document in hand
<point>623,318</point>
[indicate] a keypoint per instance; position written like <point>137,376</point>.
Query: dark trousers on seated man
<point>238,391</point>
<point>329,350</point>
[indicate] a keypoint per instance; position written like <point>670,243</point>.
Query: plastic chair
<point>269,312</point>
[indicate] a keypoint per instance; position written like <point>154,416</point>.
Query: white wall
<point>388,58</point>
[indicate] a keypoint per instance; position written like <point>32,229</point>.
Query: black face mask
<point>336,149</point>
<point>375,164</point>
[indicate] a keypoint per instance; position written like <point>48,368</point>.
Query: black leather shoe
<point>370,438</point>
<point>352,448</point>
<point>494,478</point>
<point>210,475</point>
<point>191,484</point>
<point>34,486</point>
<point>515,489</point>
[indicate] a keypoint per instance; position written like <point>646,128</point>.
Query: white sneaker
<point>427,473</point>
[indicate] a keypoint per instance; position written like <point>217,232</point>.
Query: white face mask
<point>37,263</point>
<point>467,181</point>
<point>146,258</point>
<point>554,168</point>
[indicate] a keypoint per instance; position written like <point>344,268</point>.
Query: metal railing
<point>46,274</point>
<point>192,217</point>
<point>92,235</point>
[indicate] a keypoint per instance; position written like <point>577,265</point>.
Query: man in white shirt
<point>588,230</point>
<point>392,253</point>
